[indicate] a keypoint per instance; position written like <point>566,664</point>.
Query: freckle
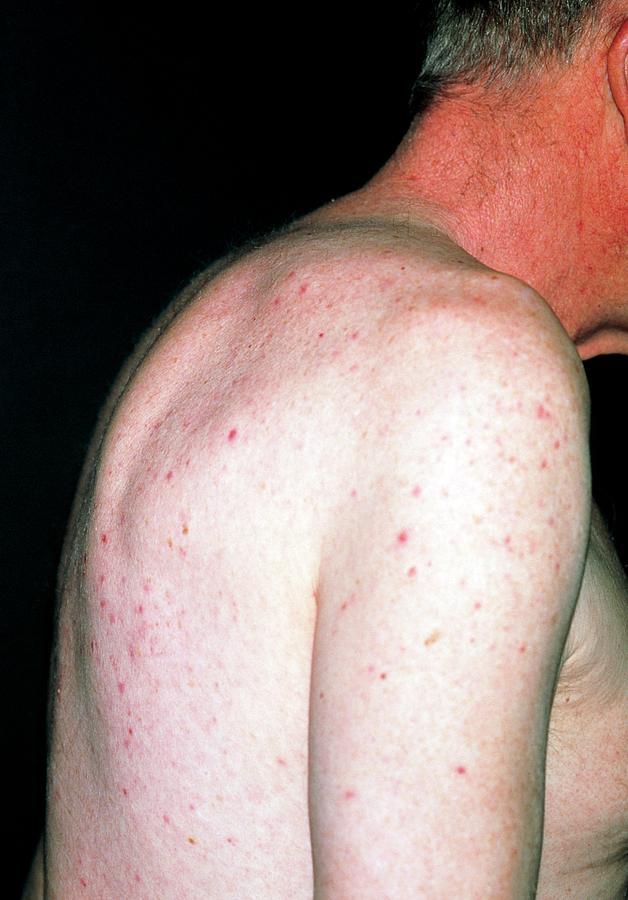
<point>191,840</point>
<point>402,537</point>
<point>185,529</point>
<point>121,687</point>
<point>103,538</point>
<point>349,794</point>
<point>416,491</point>
<point>232,434</point>
<point>169,476</point>
<point>542,413</point>
<point>169,542</point>
<point>461,770</point>
<point>344,605</point>
<point>433,637</point>
<point>412,572</point>
<point>523,648</point>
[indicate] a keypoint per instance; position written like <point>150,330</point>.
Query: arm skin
<point>446,596</point>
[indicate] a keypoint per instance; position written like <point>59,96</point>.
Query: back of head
<point>497,42</point>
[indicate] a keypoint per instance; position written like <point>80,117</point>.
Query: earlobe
<point>617,63</point>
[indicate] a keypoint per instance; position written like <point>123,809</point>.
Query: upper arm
<point>445,598</point>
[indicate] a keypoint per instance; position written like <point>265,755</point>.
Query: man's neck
<point>529,189</point>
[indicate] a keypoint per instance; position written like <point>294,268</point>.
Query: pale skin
<point>334,536</point>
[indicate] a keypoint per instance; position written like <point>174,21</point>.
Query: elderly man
<point>336,617</point>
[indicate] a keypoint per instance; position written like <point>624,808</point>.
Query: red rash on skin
<point>169,476</point>
<point>321,334</point>
<point>166,820</point>
<point>542,413</point>
<point>461,770</point>
<point>303,288</point>
<point>103,538</point>
<point>83,882</point>
<point>232,435</point>
<point>121,687</point>
<point>402,537</point>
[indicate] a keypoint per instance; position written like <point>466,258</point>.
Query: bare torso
<point>179,757</point>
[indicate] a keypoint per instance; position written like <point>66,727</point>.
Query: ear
<point>617,64</point>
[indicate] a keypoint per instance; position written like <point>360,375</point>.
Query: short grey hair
<point>495,42</point>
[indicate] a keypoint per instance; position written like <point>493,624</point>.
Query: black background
<point>135,149</point>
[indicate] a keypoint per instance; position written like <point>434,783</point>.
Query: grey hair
<point>495,42</point>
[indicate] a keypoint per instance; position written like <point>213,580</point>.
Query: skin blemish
<point>355,335</point>
<point>412,572</point>
<point>402,537</point>
<point>303,288</point>
<point>354,493</point>
<point>104,539</point>
<point>281,761</point>
<point>543,464</point>
<point>383,676</point>
<point>416,491</point>
<point>433,637</point>
<point>232,435</point>
<point>232,841</point>
<point>542,413</point>
<point>523,648</point>
<point>125,792</point>
<point>349,794</point>
<point>191,840</point>
<point>121,687</point>
<point>139,609</point>
<point>556,445</point>
<point>83,882</point>
<point>461,770</point>
<point>166,819</point>
<point>478,606</point>
<point>185,529</point>
<point>321,334</point>
<point>112,619</point>
<point>169,476</point>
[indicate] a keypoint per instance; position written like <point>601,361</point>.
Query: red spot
<point>232,841</point>
<point>121,687</point>
<point>137,877</point>
<point>461,770</point>
<point>232,434</point>
<point>523,648</point>
<point>349,794</point>
<point>579,226</point>
<point>125,792</point>
<point>542,413</point>
<point>412,572</point>
<point>416,491</point>
<point>83,882</point>
<point>478,606</point>
<point>112,619</point>
<point>166,819</point>
<point>383,676</point>
<point>303,288</point>
<point>276,301</point>
<point>321,334</point>
<point>556,445</point>
<point>103,538</point>
<point>281,761</point>
<point>169,476</point>
<point>355,335</point>
<point>344,605</point>
<point>130,731</point>
<point>102,579</point>
<point>507,540</point>
<point>354,493</point>
<point>544,464</point>
<point>402,537</point>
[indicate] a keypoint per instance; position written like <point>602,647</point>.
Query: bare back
<point>190,582</point>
